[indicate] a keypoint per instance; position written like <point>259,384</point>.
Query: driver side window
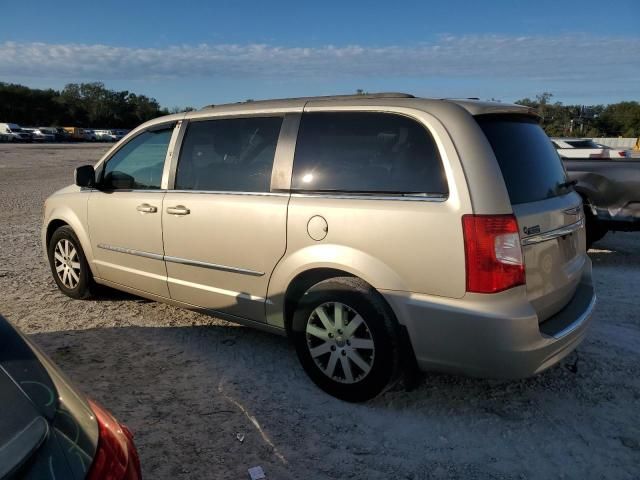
<point>139,164</point>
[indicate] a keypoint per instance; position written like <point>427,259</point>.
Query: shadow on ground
<point>224,398</point>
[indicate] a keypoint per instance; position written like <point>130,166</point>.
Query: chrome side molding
<point>182,261</point>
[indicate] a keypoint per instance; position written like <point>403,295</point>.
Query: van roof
<point>443,107</point>
<point>473,105</point>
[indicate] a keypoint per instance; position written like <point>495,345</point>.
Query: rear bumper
<point>495,336</point>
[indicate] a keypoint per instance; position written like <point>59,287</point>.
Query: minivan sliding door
<point>224,229</point>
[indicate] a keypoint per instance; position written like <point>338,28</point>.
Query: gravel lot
<point>191,387</point>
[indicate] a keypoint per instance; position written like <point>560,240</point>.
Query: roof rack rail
<point>353,96</point>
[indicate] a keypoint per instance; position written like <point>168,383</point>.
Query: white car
<point>14,132</point>
<point>89,135</point>
<point>585,148</point>
<point>107,135</point>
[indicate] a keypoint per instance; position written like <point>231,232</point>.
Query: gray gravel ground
<point>190,386</point>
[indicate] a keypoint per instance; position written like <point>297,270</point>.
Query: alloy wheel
<point>67,263</point>
<point>340,342</point>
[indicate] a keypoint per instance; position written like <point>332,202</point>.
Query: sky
<point>194,53</point>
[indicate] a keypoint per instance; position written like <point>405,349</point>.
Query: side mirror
<point>85,176</point>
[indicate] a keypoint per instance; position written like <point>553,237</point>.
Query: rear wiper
<point>570,183</point>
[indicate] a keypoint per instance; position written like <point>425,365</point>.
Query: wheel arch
<point>296,273</point>
<point>60,217</point>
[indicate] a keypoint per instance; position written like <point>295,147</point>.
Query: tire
<point>595,231</point>
<point>65,254</point>
<point>337,366</point>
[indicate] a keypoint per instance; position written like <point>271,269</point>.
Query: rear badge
<point>531,230</point>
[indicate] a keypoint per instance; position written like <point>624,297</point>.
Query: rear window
<point>367,153</point>
<point>582,143</point>
<point>530,165</point>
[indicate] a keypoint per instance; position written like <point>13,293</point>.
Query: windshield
<point>530,165</point>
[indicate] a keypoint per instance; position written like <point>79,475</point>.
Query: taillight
<point>116,457</point>
<point>622,153</point>
<point>493,253</point>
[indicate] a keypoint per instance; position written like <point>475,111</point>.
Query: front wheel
<point>69,265</point>
<point>347,339</point>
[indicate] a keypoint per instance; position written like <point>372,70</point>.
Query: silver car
<point>376,231</point>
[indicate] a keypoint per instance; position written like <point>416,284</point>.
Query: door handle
<point>146,208</point>
<point>178,210</point>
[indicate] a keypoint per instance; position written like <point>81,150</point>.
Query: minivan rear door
<point>548,211</point>
<point>224,230</point>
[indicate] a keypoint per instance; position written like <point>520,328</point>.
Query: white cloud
<point>570,58</point>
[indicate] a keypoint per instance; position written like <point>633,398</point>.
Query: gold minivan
<point>377,231</point>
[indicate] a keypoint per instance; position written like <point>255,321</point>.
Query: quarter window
<point>366,152</point>
<point>234,155</point>
<point>139,164</point>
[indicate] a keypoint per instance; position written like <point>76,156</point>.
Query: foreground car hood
<point>45,424</point>
<point>22,428</point>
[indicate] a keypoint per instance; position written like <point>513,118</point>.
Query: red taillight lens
<point>116,457</point>
<point>493,253</point>
<point>622,153</point>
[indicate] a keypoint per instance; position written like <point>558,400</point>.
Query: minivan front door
<point>124,215</point>
<point>223,229</point>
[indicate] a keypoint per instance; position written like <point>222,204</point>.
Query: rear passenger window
<point>234,155</point>
<point>366,153</point>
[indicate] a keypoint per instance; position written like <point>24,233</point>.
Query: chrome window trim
<point>346,196</point>
<point>550,235</point>
<point>182,261</point>
<point>224,192</point>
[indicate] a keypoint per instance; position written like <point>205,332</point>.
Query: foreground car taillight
<point>116,457</point>
<point>493,253</point>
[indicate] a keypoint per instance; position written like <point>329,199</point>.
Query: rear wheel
<point>69,265</point>
<point>347,339</point>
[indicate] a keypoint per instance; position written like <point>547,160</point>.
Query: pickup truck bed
<point>610,189</point>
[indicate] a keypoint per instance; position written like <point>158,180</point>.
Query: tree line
<point>94,105</point>
<point>620,119</point>
<point>77,105</point>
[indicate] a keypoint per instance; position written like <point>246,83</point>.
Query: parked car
<point>610,189</point>
<point>104,135</point>
<point>373,230</point>
<point>38,135</point>
<point>66,136</point>
<point>14,132</point>
<point>89,135</point>
<point>48,429</point>
<point>58,133</point>
<point>75,134</point>
<point>585,148</point>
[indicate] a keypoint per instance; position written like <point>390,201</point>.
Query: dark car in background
<point>48,429</point>
<point>610,191</point>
